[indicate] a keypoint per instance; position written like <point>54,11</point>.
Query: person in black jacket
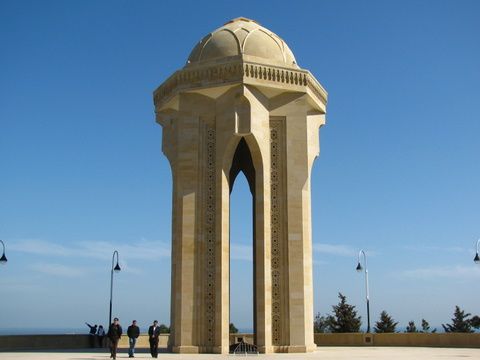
<point>100,335</point>
<point>114,334</point>
<point>153,334</point>
<point>133,332</point>
<point>93,334</point>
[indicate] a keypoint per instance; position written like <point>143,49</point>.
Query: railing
<point>243,348</point>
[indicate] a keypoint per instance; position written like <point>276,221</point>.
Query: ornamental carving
<point>210,234</point>
<point>276,196</point>
<point>232,72</point>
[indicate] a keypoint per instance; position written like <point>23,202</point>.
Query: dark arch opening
<point>242,162</point>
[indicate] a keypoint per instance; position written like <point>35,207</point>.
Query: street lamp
<point>476,258</point>
<point>359,269</point>
<point>116,269</point>
<point>3,259</point>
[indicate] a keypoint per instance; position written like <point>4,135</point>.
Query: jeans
<point>131,348</point>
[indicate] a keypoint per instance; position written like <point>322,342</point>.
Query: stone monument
<point>241,103</point>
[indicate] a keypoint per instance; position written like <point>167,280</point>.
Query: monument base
<point>301,348</point>
<point>221,349</point>
<point>266,349</point>
<point>294,348</point>
<point>185,349</point>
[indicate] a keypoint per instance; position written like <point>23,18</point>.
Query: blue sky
<point>82,173</point>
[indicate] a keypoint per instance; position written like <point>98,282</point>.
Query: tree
<point>344,318</point>
<point>320,324</point>
<point>164,329</point>
<point>233,329</point>
<point>475,321</point>
<point>426,327</point>
<point>386,323</point>
<point>411,328</point>
<point>460,322</point>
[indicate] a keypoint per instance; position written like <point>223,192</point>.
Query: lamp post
<point>3,259</point>
<point>116,269</point>
<point>359,269</point>
<point>476,259</point>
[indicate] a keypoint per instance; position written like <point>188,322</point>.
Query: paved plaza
<point>323,353</point>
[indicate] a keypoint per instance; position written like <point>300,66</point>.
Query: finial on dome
<point>241,18</point>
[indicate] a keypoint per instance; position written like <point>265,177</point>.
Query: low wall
<point>40,342</point>
<point>236,338</point>
<point>51,342</point>
<point>142,341</point>
<point>343,339</point>
<point>400,339</point>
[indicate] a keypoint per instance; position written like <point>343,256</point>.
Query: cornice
<point>228,73</point>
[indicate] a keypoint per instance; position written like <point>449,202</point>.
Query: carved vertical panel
<point>277,221</point>
<point>210,235</point>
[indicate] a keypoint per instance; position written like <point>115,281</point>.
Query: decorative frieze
<point>238,71</point>
<point>210,235</point>
<point>276,197</point>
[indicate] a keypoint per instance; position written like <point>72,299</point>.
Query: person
<point>93,334</point>
<point>100,335</point>
<point>153,334</point>
<point>133,332</point>
<point>114,334</point>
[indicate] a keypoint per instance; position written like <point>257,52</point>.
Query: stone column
<point>299,229</point>
<point>185,196</point>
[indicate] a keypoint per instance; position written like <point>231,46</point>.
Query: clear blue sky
<point>82,173</point>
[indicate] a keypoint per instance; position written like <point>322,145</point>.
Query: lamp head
<point>3,259</point>
<point>476,259</point>
<point>117,268</point>
<point>359,267</point>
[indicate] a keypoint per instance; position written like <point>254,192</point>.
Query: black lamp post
<point>476,258</point>
<point>116,269</point>
<point>359,269</point>
<point>3,259</point>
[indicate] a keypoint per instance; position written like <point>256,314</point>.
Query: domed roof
<point>242,37</point>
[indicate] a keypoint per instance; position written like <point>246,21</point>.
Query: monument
<point>241,103</point>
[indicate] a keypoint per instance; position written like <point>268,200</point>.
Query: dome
<point>245,38</point>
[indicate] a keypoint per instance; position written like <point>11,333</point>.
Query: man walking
<point>153,333</point>
<point>133,332</point>
<point>114,334</point>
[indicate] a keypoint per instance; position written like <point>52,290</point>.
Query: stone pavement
<point>322,353</point>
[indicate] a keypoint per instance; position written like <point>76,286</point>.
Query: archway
<point>242,249</point>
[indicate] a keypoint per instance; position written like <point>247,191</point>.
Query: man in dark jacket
<point>114,334</point>
<point>153,334</point>
<point>93,334</point>
<point>133,332</point>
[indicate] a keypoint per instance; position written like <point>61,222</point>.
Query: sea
<point>44,331</point>
<point>67,331</point>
